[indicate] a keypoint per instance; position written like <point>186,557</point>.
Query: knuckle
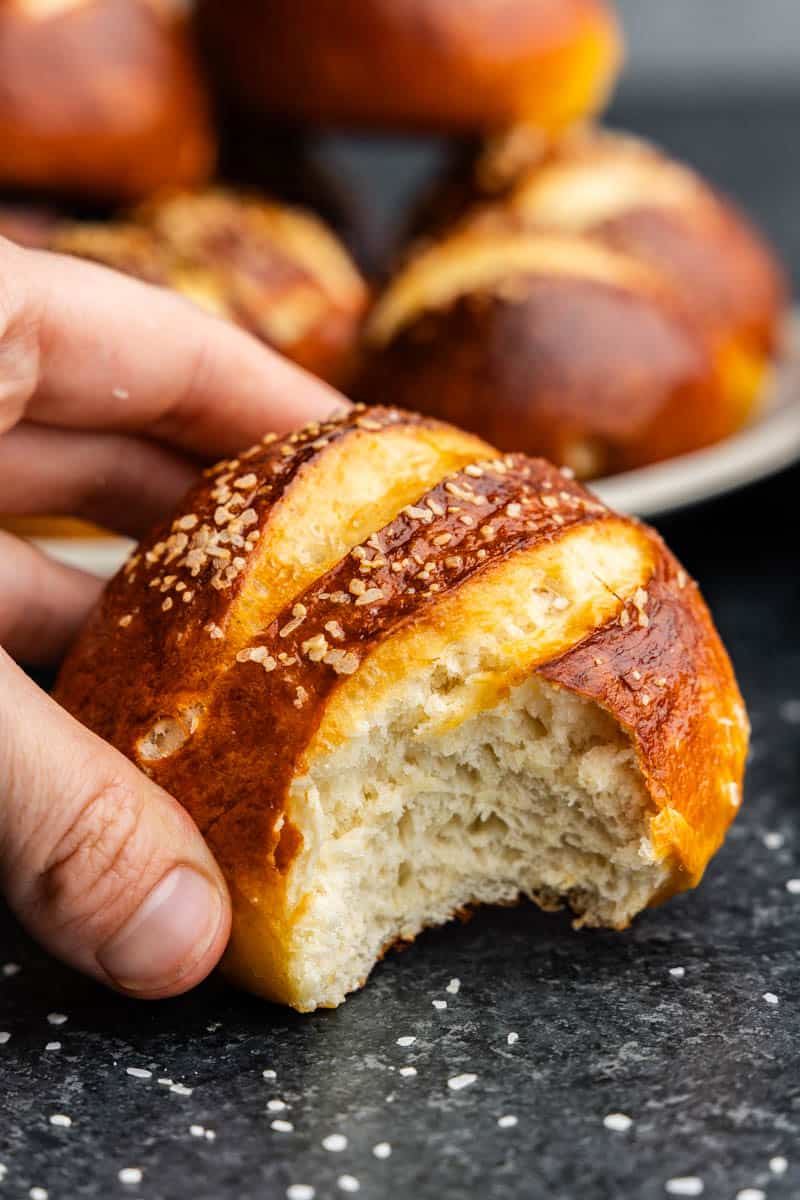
<point>100,859</point>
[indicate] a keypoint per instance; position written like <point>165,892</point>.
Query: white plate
<point>764,447</point>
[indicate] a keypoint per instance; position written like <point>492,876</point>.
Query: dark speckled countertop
<point>688,1025</point>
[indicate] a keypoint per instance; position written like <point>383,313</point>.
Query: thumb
<point>103,868</point>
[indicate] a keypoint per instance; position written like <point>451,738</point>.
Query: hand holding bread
<point>109,395</point>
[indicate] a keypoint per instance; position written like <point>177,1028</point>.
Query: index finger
<point>84,347</point>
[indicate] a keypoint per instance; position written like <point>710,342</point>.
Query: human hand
<point>111,392</point>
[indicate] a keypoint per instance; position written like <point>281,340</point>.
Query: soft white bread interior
<point>385,702</point>
<point>539,796</point>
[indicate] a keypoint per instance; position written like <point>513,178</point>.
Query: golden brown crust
<point>120,245</point>
<point>624,193</point>
<point>129,112</point>
<point>277,272</point>
<point>195,590</point>
<point>237,717</point>
<point>663,674</point>
<point>601,377</point>
<point>431,64</point>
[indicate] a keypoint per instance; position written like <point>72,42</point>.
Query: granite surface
<point>688,1025</point>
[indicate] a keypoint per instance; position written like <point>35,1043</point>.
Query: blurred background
<point>713,48</point>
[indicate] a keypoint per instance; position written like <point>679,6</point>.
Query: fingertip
<point>173,940</point>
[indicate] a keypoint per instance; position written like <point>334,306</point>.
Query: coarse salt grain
<point>347,1183</point>
<point>406,1041</point>
<point>269,1074</point>
<point>57,1018</point>
<point>300,1191</point>
<point>507,1122</point>
<point>10,969</point>
<point>751,1194</point>
<point>512,1038</point>
<point>53,1046</point>
<point>677,972</point>
<point>778,1165</point>
<point>770,998</point>
<point>180,1089</point>
<point>453,987</point>
<point>382,1150</point>
<point>773,841</point>
<point>617,1122</point>
<point>407,1072</point>
<point>197,1131</point>
<point>457,1082</point>
<point>37,1193</point>
<point>139,1072</point>
<point>4,1037</point>
<point>165,1081</point>
<point>439,1004</point>
<point>130,1175</point>
<point>335,1142</point>
<point>684,1185</point>
<point>793,886</point>
<point>276,1105</point>
<point>281,1126</point>
<point>61,1120</point>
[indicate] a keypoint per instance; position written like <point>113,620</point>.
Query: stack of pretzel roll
<point>590,300</point>
<point>459,680</point>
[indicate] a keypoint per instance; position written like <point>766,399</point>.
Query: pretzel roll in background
<point>392,674</point>
<point>275,270</point>
<point>504,317</point>
<point>432,65</point>
<point>101,97</point>
<point>551,342</point>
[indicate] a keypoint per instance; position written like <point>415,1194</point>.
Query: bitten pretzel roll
<point>391,674</point>
<point>662,350</point>
<point>448,65</point>
<point>100,98</point>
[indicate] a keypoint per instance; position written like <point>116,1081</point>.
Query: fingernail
<point>167,935</point>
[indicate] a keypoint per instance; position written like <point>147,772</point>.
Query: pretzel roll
<point>627,195</point>
<point>276,271</point>
<point>450,65</point>
<point>100,97</point>
<point>391,674</point>
<point>552,343</point>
